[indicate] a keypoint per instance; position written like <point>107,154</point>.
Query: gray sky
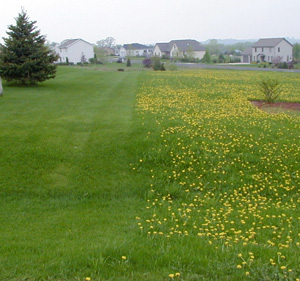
<point>152,21</point>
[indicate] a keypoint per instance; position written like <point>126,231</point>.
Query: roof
<point>164,47</point>
<point>135,46</point>
<point>68,42</point>
<point>269,42</point>
<point>247,52</point>
<point>185,45</point>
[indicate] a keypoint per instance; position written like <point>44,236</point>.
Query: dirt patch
<point>283,105</point>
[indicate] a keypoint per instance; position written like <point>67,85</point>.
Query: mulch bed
<point>285,105</point>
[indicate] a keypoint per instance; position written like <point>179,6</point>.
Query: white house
<point>180,48</point>
<point>76,50</point>
<point>162,50</point>
<point>135,50</point>
<point>270,50</point>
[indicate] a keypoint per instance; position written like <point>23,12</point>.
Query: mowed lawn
<point>68,198</point>
<point>140,175</point>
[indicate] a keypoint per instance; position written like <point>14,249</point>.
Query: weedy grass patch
<point>224,173</point>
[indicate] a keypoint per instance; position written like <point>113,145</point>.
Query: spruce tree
<point>24,56</point>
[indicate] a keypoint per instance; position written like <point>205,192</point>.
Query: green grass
<point>100,165</point>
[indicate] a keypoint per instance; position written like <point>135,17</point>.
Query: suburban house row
<point>265,50</point>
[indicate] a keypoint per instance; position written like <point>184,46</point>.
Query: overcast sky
<point>152,21</point>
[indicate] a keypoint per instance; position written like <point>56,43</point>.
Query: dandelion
<point>87,278</point>
<point>124,258</point>
<point>239,266</point>
<point>171,275</point>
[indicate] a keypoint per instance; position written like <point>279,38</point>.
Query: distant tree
<point>24,57</point>
<point>214,46</point>
<point>109,42</point>
<point>128,63</point>
<point>82,58</point>
<point>67,60</point>
<point>190,53</point>
<point>206,58</point>
<point>221,58</point>
<point>296,51</point>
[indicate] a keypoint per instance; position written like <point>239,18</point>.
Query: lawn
<point>142,175</point>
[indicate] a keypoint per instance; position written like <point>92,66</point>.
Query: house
<point>272,49</point>
<point>75,51</point>
<point>180,48</point>
<point>247,56</point>
<point>162,50</point>
<point>135,50</point>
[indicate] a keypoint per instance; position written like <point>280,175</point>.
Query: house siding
<point>75,51</point>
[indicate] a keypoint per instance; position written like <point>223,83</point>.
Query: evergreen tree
<point>24,57</point>
<point>128,63</point>
<point>206,58</point>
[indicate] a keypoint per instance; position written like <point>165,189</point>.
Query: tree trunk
<point>1,88</point>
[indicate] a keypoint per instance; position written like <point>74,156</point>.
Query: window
<point>278,49</point>
<point>262,49</point>
<point>255,50</point>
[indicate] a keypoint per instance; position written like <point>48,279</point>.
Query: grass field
<point>148,176</point>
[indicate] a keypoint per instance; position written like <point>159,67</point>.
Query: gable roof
<point>269,42</point>
<point>68,42</point>
<point>185,45</point>
<point>135,46</point>
<point>164,47</point>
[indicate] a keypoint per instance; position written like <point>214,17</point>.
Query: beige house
<point>180,49</point>
<point>270,50</point>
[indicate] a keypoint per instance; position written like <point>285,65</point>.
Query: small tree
<point>24,57</point>
<point>221,58</point>
<point>206,58</point>
<point>128,63</point>
<point>270,88</point>
<point>67,60</point>
<point>156,63</point>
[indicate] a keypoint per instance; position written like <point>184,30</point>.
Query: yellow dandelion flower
<point>124,258</point>
<point>238,266</point>
<point>171,275</point>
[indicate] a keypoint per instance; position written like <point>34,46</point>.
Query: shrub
<point>270,88</point>
<point>283,65</point>
<point>156,63</point>
<point>147,63</point>
<point>128,63</point>
<point>162,67</point>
